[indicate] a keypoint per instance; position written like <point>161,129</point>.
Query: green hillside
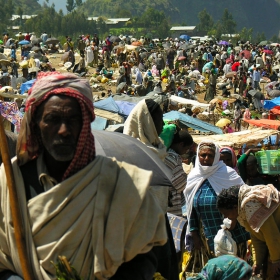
<point>261,15</point>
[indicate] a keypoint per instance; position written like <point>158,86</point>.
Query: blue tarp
<point>26,86</point>
<point>185,37</point>
<point>269,104</point>
<point>192,122</point>
<point>99,123</point>
<point>107,104</point>
<point>125,107</point>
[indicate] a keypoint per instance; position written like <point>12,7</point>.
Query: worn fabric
<point>179,178</point>
<point>219,175</point>
<point>256,204</point>
<point>54,83</point>
<point>205,211</point>
<point>82,218</point>
<point>140,125</point>
<point>225,267</point>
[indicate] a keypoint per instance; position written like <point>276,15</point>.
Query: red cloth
<point>235,66</point>
<point>27,37</point>
<point>270,124</point>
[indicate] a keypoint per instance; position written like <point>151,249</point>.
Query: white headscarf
<point>219,176</point>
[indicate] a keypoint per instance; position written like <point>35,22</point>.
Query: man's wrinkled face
<point>59,120</point>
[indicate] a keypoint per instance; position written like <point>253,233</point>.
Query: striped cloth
<point>178,180</point>
<point>204,208</point>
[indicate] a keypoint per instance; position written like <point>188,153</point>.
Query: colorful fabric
<point>257,204</point>
<point>219,175</point>
<point>224,268</point>
<point>205,210</point>
<point>46,85</point>
<point>9,111</point>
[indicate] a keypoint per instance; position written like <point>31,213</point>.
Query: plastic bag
<point>223,241</point>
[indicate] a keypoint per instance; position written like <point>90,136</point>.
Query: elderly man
<point>95,211</point>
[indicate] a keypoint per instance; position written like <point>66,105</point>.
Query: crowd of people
<point>104,215</point>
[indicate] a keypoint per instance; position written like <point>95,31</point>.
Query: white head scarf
<point>140,125</point>
<point>219,176</point>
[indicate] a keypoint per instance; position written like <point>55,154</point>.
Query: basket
<point>269,161</point>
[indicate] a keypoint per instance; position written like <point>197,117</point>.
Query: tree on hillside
<point>70,5</point>
<point>154,20</point>
<point>79,3</point>
<point>206,22</point>
<point>260,37</point>
<point>246,34</point>
<point>228,24</point>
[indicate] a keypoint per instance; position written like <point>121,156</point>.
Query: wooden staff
<point>16,216</point>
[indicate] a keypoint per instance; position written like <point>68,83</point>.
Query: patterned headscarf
<point>46,85</point>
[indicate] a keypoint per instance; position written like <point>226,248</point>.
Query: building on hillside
<point>176,31</point>
<point>113,22</point>
<point>229,35</point>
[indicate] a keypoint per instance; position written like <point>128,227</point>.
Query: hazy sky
<point>59,4</point>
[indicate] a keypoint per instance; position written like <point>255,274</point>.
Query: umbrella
<point>255,93</point>
<point>128,149</point>
<point>247,54</point>
<point>237,96</point>
<point>230,74</point>
<point>276,67</point>
<point>185,37</point>
<point>223,43</point>
<point>257,65</point>
<point>114,39</point>
<point>274,93</point>
<point>21,80</point>
<point>5,61</point>
<point>37,41</point>
<point>274,44</point>
<point>35,48</point>
<point>271,84</point>
<point>24,42</point>
<point>223,122</point>
<point>181,58</point>
<point>264,43</point>
<point>268,51</point>
<point>51,41</point>
<point>188,47</point>
<point>34,55</point>
<point>136,43</point>
<point>237,48</point>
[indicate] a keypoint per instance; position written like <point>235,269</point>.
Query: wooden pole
<point>16,216</point>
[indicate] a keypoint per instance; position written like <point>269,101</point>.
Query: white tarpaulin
<point>237,139</point>
<point>177,99</point>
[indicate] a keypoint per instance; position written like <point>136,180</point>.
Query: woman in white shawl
<point>204,183</point>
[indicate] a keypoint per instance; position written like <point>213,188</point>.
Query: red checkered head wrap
<point>46,85</point>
